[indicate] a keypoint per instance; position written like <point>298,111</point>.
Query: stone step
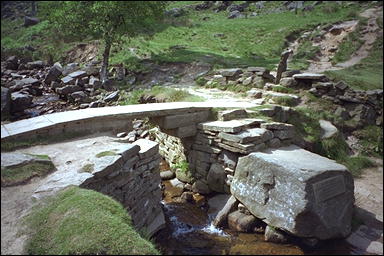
<point>233,126</point>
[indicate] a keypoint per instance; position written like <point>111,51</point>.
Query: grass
<point>284,100</point>
<point>106,153</point>
<point>371,140</point>
<point>366,75</point>
<point>306,51</point>
<point>38,140</point>
<point>307,126</point>
<point>80,221</point>
<point>255,41</point>
<point>22,174</point>
<point>87,168</point>
<point>165,94</point>
<point>282,89</point>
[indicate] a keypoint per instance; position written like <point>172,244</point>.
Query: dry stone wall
<point>132,177</point>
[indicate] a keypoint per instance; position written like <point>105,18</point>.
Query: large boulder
<point>296,191</point>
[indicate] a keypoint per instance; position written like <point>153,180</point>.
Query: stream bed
<point>189,231</point>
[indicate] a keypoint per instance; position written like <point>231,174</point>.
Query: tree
<point>105,20</point>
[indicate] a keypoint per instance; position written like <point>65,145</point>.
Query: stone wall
<point>170,147</point>
<point>132,178</point>
<point>218,145</point>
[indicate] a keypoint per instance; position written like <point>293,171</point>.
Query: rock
<point>282,64</point>
<point>232,114</point>
<point>167,175</point>
<point>309,76</point>
<point>241,222</point>
<point>53,73</point>
<point>203,6</point>
<point>5,103</point>
<point>255,93</point>
<point>254,135</point>
<point>30,21</point>
<point>78,74</point>
<point>274,236</point>
<point>94,82</point>
<point>228,159</point>
<point>231,72</point>
<point>288,82</point>
<point>70,68</point>
<point>35,64</point>
<point>68,89</point>
<point>175,12</point>
<point>79,96</point>
<point>20,101</point>
<point>364,114</point>
<point>235,7</point>
<point>187,197</point>
<point>343,113</point>
<point>112,97</point>
<point>11,63</point>
<point>247,81</point>
<point>68,80</point>
<point>216,178</point>
<point>315,194</point>
<point>290,73</point>
<point>232,126</point>
<point>221,217</point>
<point>329,130</point>
<point>200,187</point>
<point>176,183</point>
<point>235,14</point>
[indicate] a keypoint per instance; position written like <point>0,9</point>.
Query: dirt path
<point>330,41</point>
<point>369,211</point>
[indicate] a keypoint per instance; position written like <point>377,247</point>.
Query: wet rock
<point>5,103</point>
<point>20,101</point>
<point>275,236</point>
<point>200,187</point>
<point>216,178</point>
<point>167,175</point>
<point>241,222</point>
<point>221,217</point>
<point>187,197</point>
<point>314,193</point>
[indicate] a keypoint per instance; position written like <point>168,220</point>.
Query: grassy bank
<point>80,221</point>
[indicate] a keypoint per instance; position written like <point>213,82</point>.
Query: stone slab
<point>232,126</point>
<point>308,76</point>
<point>257,135</point>
<point>147,148</point>
<point>296,191</point>
<point>175,121</point>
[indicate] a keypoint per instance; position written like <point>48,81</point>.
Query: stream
<point>189,231</point>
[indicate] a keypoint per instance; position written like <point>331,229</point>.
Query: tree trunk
<point>33,8</point>
<point>104,67</point>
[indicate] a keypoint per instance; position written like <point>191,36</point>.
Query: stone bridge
<point>289,188</point>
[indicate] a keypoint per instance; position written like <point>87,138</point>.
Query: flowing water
<point>189,232</point>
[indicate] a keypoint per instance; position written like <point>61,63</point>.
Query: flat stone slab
<point>308,76</point>
<point>296,191</point>
<point>147,148</point>
<point>231,114</point>
<point>232,126</point>
<point>256,135</point>
<point>279,94</point>
<point>15,159</point>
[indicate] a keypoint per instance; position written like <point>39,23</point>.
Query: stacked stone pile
<point>218,145</point>
<point>251,76</point>
<point>78,86</point>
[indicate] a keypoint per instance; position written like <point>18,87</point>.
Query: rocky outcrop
<point>296,191</point>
